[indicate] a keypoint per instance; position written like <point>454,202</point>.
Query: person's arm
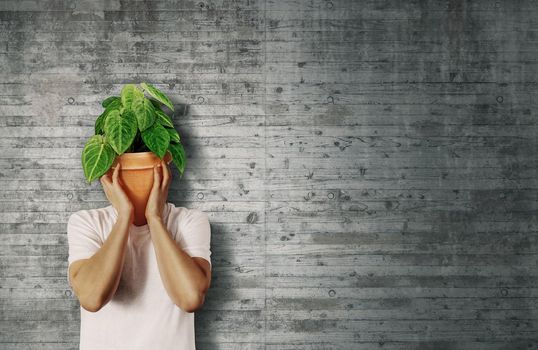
<point>95,280</point>
<point>185,278</point>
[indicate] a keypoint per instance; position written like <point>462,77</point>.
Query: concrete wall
<point>369,167</point>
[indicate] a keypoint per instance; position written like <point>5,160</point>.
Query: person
<point>139,286</point>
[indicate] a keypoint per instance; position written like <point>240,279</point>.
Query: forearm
<point>182,278</point>
<point>98,278</point>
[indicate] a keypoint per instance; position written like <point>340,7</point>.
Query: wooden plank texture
<point>368,166</point>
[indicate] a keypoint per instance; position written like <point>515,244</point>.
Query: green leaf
<point>110,100</point>
<point>129,95</point>
<point>97,157</point>
<point>120,130</point>
<point>157,139</point>
<point>178,156</point>
<point>163,118</point>
<point>174,136</point>
<point>157,94</point>
<point>100,123</point>
<point>145,113</point>
<point>116,104</point>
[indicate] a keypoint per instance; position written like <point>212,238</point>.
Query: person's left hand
<point>162,177</point>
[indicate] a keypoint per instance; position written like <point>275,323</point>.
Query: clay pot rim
<point>140,160</point>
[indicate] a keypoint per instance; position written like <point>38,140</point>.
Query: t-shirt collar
<point>143,228</point>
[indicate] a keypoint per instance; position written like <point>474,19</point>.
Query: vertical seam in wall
<point>265,173</point>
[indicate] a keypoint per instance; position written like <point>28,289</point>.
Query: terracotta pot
<point>136,173</point>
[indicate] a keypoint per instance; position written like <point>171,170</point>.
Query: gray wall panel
<point>369,167</point>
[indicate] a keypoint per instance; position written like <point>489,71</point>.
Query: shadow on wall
<point>184,193</point>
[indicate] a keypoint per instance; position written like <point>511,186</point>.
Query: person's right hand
<point>116,195</point>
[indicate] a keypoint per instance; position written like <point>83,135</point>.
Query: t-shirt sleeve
<point>194,235</point>
<point>83,240</point>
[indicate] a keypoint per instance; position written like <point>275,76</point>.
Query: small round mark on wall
<point>200,100</point>
<point>279,89</point>
<point>70,196</point>
<point>330,99</point>
<point>332,293</point>
<point>70,100</point>
<point>329,5</point>
<point>68,293</point>
<point>500,99</point>
<point>200,195</point>
<point>504,292</point>
<point>330,195</point>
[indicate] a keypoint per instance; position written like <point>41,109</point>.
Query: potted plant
<point>135,131</point>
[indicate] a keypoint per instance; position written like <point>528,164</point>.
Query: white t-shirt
<point>141,315</point>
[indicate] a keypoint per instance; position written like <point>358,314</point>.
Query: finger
<point>156,177</point>
<point>166,175</point>
<point>116,174</point>
<point>105,180</point>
